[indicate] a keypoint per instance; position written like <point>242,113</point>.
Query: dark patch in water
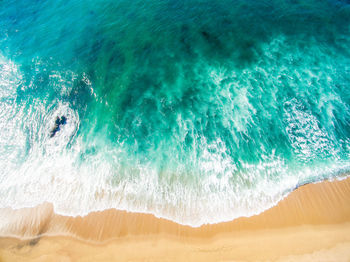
<point>185,40</point>
<point>58,123</point>
<point>213,40</point>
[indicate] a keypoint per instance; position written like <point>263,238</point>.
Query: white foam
<point>306,137</point>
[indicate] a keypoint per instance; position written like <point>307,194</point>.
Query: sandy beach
<point>311,224</point>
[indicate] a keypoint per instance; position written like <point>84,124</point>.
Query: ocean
<point>195,111</point>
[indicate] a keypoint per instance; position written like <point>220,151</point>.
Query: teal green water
<point>197,111</point>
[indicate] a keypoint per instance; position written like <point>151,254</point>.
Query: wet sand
<point>311,224</point>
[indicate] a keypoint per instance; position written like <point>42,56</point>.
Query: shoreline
<point>313,218</point>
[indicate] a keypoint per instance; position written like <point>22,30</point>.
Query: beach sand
<point>311,224</point>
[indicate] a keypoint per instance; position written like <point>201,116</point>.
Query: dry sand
<point>311,224</point>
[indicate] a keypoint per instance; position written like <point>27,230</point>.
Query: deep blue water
<point>197,111</point>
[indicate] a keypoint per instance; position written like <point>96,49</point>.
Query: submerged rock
<point>58,123</point>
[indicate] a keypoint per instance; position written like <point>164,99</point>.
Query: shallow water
<point>195,111</point>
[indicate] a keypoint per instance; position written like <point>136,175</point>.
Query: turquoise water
<point>197,111</point>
